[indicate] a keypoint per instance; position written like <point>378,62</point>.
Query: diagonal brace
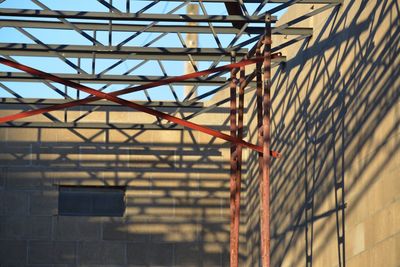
<point>197,74</point>
<point>127,103</point>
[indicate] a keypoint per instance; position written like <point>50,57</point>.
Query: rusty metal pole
<point>242,85</point>
<point>266,138</point>
<point>234,233</point>
<point>259,119</point>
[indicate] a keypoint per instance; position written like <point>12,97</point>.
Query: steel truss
<point>254,31</point>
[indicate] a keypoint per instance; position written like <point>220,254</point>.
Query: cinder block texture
<point>14,202</point>
<point>335,191</point>
<point>51,252</point>
<point>13,252</point>
<point>177,196</point>
<point>77,228</point>
<point>102,253</point>
<point>44,203</point>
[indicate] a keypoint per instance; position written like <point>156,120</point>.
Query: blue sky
<point>55,65</point>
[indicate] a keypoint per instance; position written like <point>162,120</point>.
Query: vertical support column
<point>242,85</point>
<point>266,138</point>
<point>236,164</point>
<point>78,92</point>
<point>110,26</point>
<point>65,97</point>
<point>94,54</point>
<point>234,228</point>
<point>259,120</point>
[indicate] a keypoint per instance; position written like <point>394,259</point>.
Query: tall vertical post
<point>234,228</point>
<point>110,26</point>
<point>78,93</point>
<point>236,165</point>
<point>259,121</point>
<point>94,54</point>
<point>266,138</point>
<point>242,85</point>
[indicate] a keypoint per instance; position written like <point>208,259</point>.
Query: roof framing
<point>242,50</point>
<point>89,26</point>
<point>11,12</point>
<point>118,21</point>
<point>100,103</point>
<point>264,1</point>
<point>87,51</point>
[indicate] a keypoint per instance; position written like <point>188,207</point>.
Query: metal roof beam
<point>88,26</point>
<point>37,13</point>
<point>233,9</point>
<point>99,125</point>
<point>115,79</point>
<point>151,53</point>
<point>50,102</point>
<point>268,1</point>
<point>86,125</point>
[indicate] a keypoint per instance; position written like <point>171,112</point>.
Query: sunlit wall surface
<point>335,193</point>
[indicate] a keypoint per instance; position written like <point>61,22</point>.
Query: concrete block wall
<point>336,117</point>
<point>177,197</point>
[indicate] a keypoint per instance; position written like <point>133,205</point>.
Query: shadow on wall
<point>329,104</point>
<point>177,197</point>
<point>334,118</point>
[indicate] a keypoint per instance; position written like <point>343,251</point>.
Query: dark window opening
<point>91,200</point>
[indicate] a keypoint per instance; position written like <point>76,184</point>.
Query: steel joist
<point>113,97</point>
<point>115,21</point>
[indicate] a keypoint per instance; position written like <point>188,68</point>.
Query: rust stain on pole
<point>266,138</point>
<point>238,182</point>
<point>259,117</point>
<point>234,228</point>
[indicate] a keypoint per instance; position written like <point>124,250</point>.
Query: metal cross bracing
<point>133,36</point>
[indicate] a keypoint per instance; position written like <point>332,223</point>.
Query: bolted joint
<point>267,83</point>
<point>268,17</point>
<point>234,80</point>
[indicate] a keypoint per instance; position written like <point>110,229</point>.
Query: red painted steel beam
<point>130,89</point>
<point>113,98</point>
<point>234,229</point>
<point>265,184</point>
